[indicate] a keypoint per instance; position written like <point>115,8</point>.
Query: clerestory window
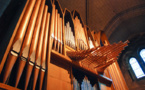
<point>142,54</point>
<point>136,68</point>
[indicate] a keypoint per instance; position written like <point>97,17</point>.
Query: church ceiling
<point>107,15</point>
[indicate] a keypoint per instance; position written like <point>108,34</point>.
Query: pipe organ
<point>70,39</point>
<point>57,33</point>
<point>90,38</point>
<point>80,31</point>
<point>69,30</point>
<point>49,47</point>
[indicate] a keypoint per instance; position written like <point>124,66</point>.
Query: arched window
<point>136,68</point>
<point>142,54</point>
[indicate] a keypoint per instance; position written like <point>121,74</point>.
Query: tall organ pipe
<point>61,41</point>
<point>44,51</point>
<point>33,47</point>
<point>50,40</point>
<point>55,29</point>
<point>11,40</point>
<point>27,41</point>
<point>17,42</point>
<point>39,50</point>
<point>58,32</point>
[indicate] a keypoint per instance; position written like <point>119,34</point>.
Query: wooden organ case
<point>52,49</point>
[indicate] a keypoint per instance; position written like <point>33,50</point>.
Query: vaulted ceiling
<point>118,18</point>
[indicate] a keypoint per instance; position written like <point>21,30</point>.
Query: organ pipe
<point>17,42</point>
<point>32,54</point>
<point>27,41</point>
<point>39,49</point>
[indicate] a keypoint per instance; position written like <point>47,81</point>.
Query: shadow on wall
<point>3,6</point>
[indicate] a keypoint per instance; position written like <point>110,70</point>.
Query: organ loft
<point>46,47</point>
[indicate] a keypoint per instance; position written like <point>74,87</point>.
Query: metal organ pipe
<point>17,42</point>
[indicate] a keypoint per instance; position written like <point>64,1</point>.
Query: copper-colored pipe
<point>115,50</point>
<point>58,32</point>
<point>70,36</point>
<point>55,30</point>
<point>26,43</point>
<point>88,61</point>
<point>12,38</point>
<point>50,41</point>
<point>93,58</point>
<point>45,39</point>
<point>40,41</point>
<point>28,74</point>
<point>79,44</point>
<point>81,37</point>
<point>69,29</point>
<point>44,51</point>
<point>119,80</point>
<point>66,34</point>
<point>61,43</point>
<point>39,51</point>
<point>52,27</point>
<point>111,72</point>
<point>98,51</point>
<point>63,34</point>
<point>18,40</point>
<point>36,72</point>
<point>76,35</point>
<point>9,64</point>
<point>72,44</point>
<point>120,73</point>
<point>34,42</point>
<point>77,32</point>
<point>41,79</point>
